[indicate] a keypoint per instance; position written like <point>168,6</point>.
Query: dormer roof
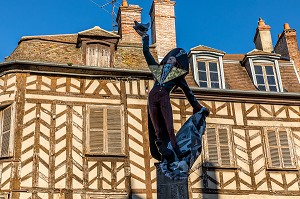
<point>97,31</point>
<point>208,49</point>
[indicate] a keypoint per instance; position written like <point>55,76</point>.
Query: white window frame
<point>213,57</point>
<point>105,133</point>
<point>206,158</point>
<point>263,63</point>
<point>11,136</point>
<point>291,147</point>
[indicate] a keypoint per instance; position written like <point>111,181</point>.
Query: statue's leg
<point>154,111</point>
<point>166,109</point>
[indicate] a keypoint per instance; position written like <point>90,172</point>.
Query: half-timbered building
<point>73,114</point>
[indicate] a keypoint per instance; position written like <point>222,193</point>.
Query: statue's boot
<point>164,151</point>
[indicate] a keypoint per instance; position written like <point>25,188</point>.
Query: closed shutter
<point>6,132</point>
<point>280,155</point>
<point>96,134</point>
<point>114,131</point>
<point>274,149</point>
<point>213,158</point>
<point>224,147</point>
<point>105,130</point>
<point>285,150</point>
<point>98,55</point>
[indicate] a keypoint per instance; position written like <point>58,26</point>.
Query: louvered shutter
<point>114,131</point>
<point>274,149</point>
<point>224,147</point>
<point>213,158</point>
<point>285,149</point>
<point>96,133</point>
<point>6,132</point>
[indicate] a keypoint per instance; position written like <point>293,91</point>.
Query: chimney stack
<point>163,26</point>
<point>127,14</point>
<point>287,45</point>
<point>262,38</point>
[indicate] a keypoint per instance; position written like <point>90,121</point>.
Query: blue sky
<point>225,25</point>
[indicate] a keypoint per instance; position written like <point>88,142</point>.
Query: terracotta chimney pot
<point>286,26</point>
<point>124,3</point>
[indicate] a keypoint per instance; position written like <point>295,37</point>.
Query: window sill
<point>220,167</point>
<point>282,169</point>
<point>105,156</point>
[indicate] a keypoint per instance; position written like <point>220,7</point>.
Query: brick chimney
<point>262,38</point>
<point>163,26</point>
<point>287,45</point>
<point>127,14</point>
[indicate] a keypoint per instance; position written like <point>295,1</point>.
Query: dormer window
<point>265,77</point>
<point>207,64</point>
<point>209,73</point>
<point>263,69</point>
<point>98,55</point>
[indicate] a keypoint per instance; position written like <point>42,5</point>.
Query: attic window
<point>209,73</point>
<point>265,77</point>
<point>98,54</point>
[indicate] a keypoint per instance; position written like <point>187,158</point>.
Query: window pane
<point>260,79</point>
<point>273,88</point>
<point>201,66</point>
<point>261,88</point>
<point>258,69</point>
<point>215,85</point>
<point>213,66</point>
<point>269,70</point>
<point>271,80</point>
<point>214,77</point>
<point>202,76</point>
<point>203,84</point>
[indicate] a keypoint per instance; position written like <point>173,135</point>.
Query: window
<point>209,74</point>
<point>279,148</point>
<point>105,130</point>
<point>6,132</point>
<point>265,77</point>
<point>98,55</point>
<point>218,146</point>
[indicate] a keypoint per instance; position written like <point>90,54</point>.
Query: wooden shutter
<point>6,132</point>
<point>224,147</point>
<point>285,149</point>
<point>280,155</point>
<point>98,55</point>
<point>274,149</point>
<point>213,158</point>
<point>96,133</point>
<point>114,131</point>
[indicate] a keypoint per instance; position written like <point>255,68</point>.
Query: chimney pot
<point>286,26</point>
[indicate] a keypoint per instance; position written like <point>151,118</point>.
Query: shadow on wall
<point>132,195</point>
<point>209,182</point>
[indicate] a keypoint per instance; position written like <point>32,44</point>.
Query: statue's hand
<point>140,28</point>
<point>141,33</point>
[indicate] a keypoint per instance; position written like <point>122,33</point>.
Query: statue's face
<point>171,60</point>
